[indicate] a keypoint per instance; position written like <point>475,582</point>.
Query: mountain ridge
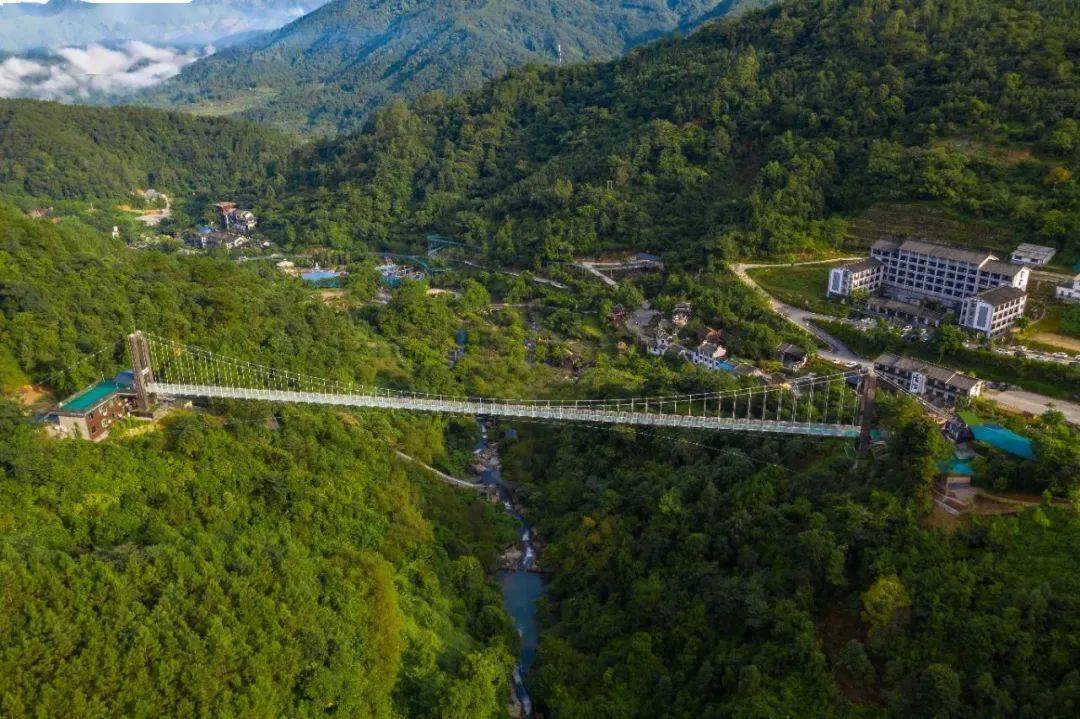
<point>326,72</point>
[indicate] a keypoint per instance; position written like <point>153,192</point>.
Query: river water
<point>520,586</point>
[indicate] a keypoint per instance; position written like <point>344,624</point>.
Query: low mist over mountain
<point>94,73</point>
<point>29,26</point>
<point>327,71</point>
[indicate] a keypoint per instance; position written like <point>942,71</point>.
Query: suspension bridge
<point>836,405</point>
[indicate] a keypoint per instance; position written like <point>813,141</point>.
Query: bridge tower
<point>866,389</point>
<point>141,368</point>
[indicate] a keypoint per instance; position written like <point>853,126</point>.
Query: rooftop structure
<point>793,356</point>
<point>925,379</point>
<point>992,312</point>
<point>393,274</point>
<point>1070,291</point>
<point>904,311</point>
<point>1029,254</point>
<point>90,413</point>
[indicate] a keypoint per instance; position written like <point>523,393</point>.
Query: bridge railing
<point>828,402</point>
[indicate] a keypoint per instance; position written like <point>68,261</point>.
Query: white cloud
<point>94,71</point>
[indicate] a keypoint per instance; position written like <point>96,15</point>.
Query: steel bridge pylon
<point>141,368</point>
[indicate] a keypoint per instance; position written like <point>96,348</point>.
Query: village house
<point>710,352</point>
<point>1033,255</point>
<point>206,238</point>
<point>793,356</point>
<point>233,219</point>
<point>90,414</point>
<point>617,316</point>
<point>680,316</point>
<point>659,341</point>
<point>1070,291</point>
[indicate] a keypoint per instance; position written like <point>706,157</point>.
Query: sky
<point>106,2</point>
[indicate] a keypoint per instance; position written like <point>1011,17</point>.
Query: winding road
<point>838,351</point>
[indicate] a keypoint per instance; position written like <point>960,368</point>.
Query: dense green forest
<point>328,71</point>
<point>763,578</point>
<point>51,152</point>
<point>755,136</point>
<point>247,559</point>
<point>251,560</point>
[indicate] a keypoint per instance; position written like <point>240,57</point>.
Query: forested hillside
<point>764,578</point>
<point>750,137</point>
<point>56,152</point>
<point>328,71</point>
<point>249,560</point>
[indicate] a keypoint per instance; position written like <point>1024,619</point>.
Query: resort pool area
<point>319,275</point>
<point>322,278</point>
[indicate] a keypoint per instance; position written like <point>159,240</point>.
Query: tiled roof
<point>860,265</point>
<point>885,245</point>
<point>933,371</point>
<point>1000,295</point>
<point>786,348</point>
<point>975,257</point>
<point>1002,268</point>
<point>1038,251</point>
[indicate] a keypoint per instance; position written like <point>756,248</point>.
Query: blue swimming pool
<point>319,275</point>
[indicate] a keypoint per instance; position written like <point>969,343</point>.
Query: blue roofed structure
<point>1004,439</point>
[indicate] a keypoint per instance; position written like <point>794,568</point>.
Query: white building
<point>918,270</point>
<point>710,352</point>
<point>861,275</point>
<point>1070,291</point>
<point>925,379</point>
<point>1029,254</point>
<point>659,342</point>
<point>993,312</point>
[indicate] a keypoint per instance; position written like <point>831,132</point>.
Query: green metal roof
<point>91,397</point>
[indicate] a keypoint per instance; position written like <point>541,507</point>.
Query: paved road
<point>1023,401</point>
<point>1016,400</point>
<point>838,351</point>
<point>591,269</point>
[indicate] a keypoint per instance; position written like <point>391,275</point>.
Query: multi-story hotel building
<point>993,312</point>
<point>914,270</point>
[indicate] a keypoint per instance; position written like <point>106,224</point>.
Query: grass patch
<point>934,223</point>
<point>802,287</point>
<point>234,104</point>
<point>928,222</point>
<point>1047,334</point>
